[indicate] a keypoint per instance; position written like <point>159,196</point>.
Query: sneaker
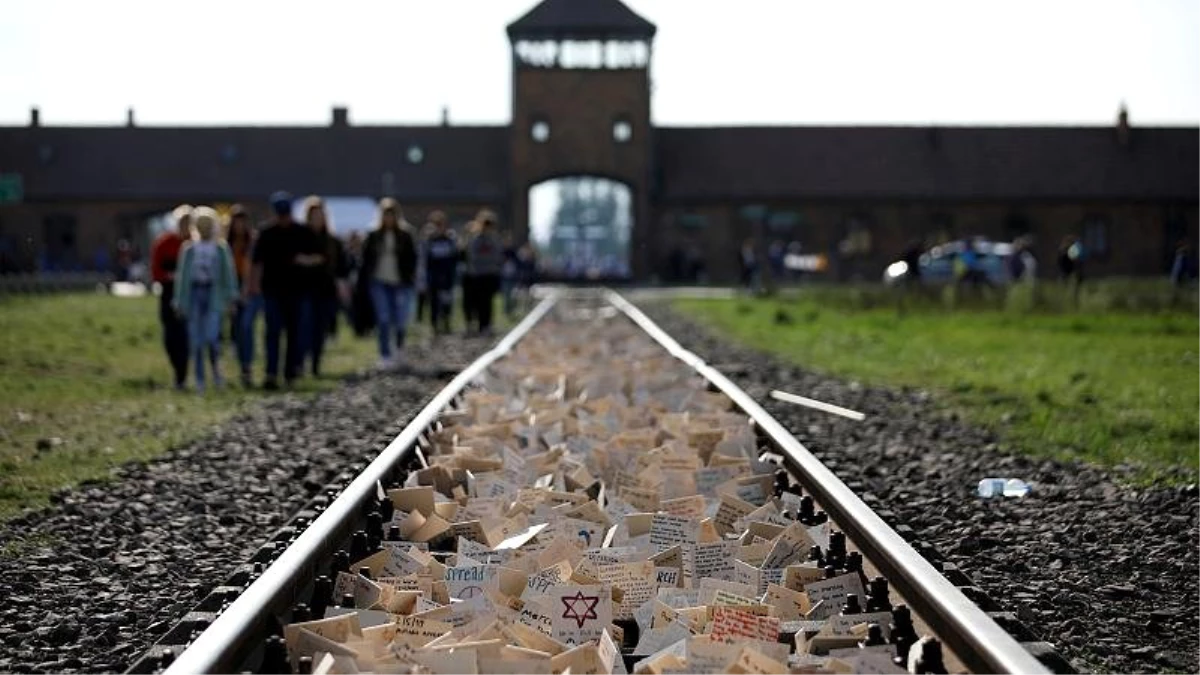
<point>385,363</point>
<point>246,381</point>
<point>270,384</point>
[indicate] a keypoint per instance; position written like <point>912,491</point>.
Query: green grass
<point>88,375</point>
<point>1110,387</point>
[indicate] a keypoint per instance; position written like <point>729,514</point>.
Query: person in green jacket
<point>205,288</point>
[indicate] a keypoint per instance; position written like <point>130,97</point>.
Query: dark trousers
<point>422,303</point>
<point>335,308</point>
<point>324,313</point>
<point>235,322</point>
<point>441,306</point>
<point>468,299</point>
<point>285,314</point>
<point>486,286</point>
<point>175,335</point>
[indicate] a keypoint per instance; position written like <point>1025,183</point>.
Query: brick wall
<point>1140,237</point>
<point>581,107</point>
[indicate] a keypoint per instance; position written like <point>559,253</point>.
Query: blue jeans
<point>204,329</point>
<point>249,312</point>
<point>393,306</point>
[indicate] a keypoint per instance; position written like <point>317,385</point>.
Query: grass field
<point>85,385</point>
<point>1106,386</point>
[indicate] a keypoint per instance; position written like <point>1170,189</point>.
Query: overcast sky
<point>715,61</point>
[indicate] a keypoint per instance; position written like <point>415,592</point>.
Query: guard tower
<point>581,105</point>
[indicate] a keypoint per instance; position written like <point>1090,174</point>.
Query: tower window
<point>540,131</point>
<point>622,131</point>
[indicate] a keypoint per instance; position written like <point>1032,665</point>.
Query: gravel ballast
<point>110,567</point>
<point>1105,572</point>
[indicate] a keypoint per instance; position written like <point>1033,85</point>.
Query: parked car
<point>937,264</point>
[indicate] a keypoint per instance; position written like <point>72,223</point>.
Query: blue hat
<point>281,202</point>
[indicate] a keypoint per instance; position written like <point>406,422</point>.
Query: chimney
<point>1123,126</point>
<point>129,116</point>
<point>35,117</point>
<point>341,116</point>
<point>445,115</point>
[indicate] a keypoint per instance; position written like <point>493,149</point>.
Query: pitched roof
<point>456,163</point>
<point>581,19</point>
<point>916,162</point>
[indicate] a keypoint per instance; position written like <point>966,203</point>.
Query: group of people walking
<point>301,277</point>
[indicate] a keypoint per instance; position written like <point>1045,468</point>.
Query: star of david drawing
<point>572,604</point>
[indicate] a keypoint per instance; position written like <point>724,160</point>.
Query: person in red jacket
<point>164,259</point>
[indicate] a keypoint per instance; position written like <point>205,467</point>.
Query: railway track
<point>510,527</point>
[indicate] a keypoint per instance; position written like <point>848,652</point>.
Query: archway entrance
<point>581,227</point>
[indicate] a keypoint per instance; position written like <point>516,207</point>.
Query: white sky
<point>715,61</point>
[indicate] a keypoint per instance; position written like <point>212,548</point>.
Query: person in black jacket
<point>389,265</point>
<point>323,281</point>
<point>283,258</point>
<point>485,262</point>
<point>441,263</point>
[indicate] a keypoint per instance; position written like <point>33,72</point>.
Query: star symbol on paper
<point>572,604</point>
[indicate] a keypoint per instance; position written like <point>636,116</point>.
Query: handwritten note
<point>729,624</point>
<point>580,612</point>
<point>667,530</point>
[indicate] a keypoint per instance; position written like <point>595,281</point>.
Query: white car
<point>937,264</point>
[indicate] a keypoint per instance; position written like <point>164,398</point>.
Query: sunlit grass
<point>85,385</point>
<point>1109,387</point>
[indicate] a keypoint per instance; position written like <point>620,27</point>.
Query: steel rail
<point>217,649</point>
<point>979,642</point>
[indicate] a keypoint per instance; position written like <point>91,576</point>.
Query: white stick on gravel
<point>817,405</point>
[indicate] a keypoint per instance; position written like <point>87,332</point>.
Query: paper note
<point>580,613</point>
<point>729,624</point>
<point>635,582</point>
<point>667,576</point>
<point>416,632</point>
<point>834,591</point>
<point>667,530</point>
<point>466,583</point>
<point>653,640</point>
<point>715,561</point>
<point>796,577</point>
<point>366,592</point>
<point>792,605</point>
<point>730,511</point>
